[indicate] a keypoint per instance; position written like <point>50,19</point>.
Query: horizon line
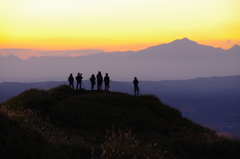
<point>41,52</point>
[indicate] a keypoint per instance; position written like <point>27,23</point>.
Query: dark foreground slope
<point>63,123</point>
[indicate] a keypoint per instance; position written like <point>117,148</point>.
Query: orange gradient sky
<point>116,25</point>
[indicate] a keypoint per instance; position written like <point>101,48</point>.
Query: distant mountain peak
<point>235,47</point>
<point>12,57</point>
<point>184,41</point>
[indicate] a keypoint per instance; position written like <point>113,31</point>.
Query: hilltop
<point>65,123</point>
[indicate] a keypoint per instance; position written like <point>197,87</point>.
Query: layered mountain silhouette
<point>180,59</point>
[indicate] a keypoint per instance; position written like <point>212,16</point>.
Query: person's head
<point>135,78</point>
<point>106,74</point>
<point>70,74</point>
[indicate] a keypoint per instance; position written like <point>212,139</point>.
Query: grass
<point>64,123</point>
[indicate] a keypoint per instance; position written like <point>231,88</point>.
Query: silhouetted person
<point>99,80</point>
<point>93,81</point>
<point>136,88</point>
<point>106,82</point>
<point>71,81</point>
<point>79,81</point>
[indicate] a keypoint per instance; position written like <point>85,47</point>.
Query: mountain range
<point>180,59</point>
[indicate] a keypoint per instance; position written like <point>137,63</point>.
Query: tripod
<point>83,86</point>
<point>136,91</point>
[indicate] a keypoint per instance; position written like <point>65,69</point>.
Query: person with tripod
<point>79,81</point>
<point>136,88</point>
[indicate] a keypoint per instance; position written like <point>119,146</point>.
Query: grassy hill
<point>68,124</point>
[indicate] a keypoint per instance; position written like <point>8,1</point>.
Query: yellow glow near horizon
<point>115,24</point>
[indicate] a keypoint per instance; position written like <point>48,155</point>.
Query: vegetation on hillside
<point>70,124</point>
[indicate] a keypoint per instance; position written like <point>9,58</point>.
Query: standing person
<point>99,80</point>
<point>106,82</point>
<point>71,81</point>
<point>136,88</point>
<point>79,81</point>
<point>93,81</point>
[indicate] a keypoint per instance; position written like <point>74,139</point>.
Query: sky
<point>114,25</point>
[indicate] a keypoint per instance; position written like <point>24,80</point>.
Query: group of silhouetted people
<point>92,79</point>
<point>100,81</point>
